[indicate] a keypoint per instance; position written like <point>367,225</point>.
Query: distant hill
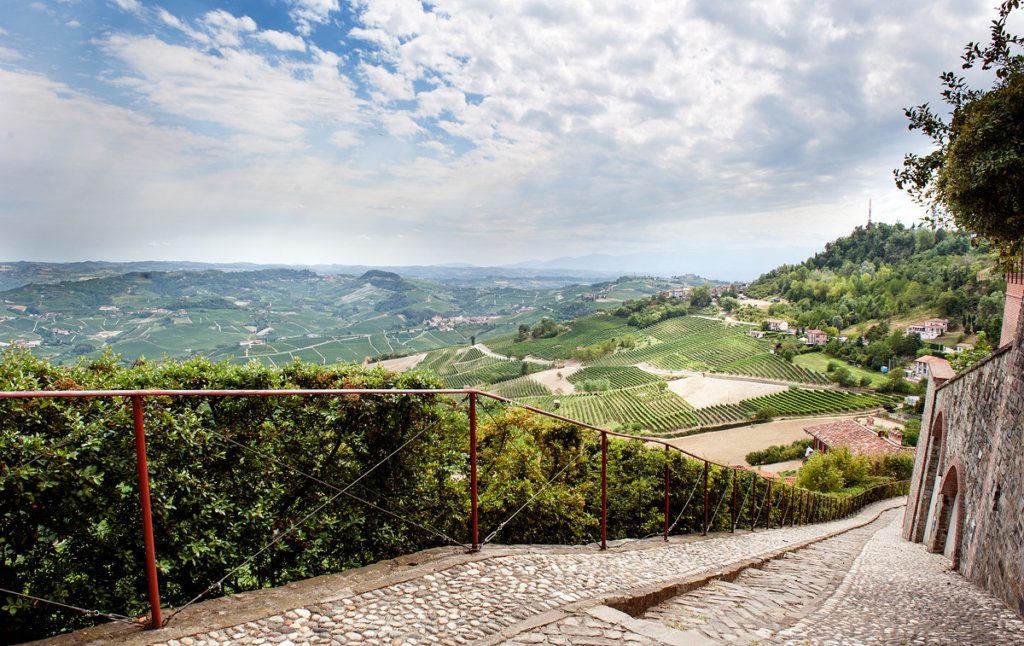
<point>887,272</point>
<point>279,314</point>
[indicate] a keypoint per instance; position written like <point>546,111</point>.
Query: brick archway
<point>949,514</point>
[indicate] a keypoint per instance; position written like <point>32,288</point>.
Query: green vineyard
<point>804,401</point>
<point>616,377</point>
<point>586,331</point>
<point>462,367</point>
<point>655,410</point>
<point>519,388</point>
<point>770,366</point>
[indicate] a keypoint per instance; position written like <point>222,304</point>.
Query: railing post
<point>666,493</point>
<point>733,526</point>
<point>147,514</point>
<point>705,498</point>
<point>604,490</point>
<point>753,500</point>
<point>768,516</point>
<point>474,520</point>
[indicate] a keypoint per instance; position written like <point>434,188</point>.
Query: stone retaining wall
<point>967,491</point>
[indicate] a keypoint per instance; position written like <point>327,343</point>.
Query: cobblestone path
<point>866,586</point>
<point>548,597</point>
<point>762,600</point>
<point>897,593</point>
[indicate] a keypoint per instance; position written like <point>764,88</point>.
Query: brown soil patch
<point>732,445</point>
<point>708,391</point>
<point>560,385</point>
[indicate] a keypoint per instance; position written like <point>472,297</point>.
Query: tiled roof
<point>859,439</point>
<point>939,368</point>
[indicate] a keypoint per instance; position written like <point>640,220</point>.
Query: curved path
<point>567,595</point>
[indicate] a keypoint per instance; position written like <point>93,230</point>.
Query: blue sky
<point>726,137</point>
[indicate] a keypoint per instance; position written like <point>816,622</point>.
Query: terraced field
<point>586,331</point>
<point>770,366</point>
<point>617,377</point>
<point>519,388</point>
<point>657,411</point>
<point>461,367</point>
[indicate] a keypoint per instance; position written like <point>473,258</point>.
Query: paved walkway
<point>567,596</point>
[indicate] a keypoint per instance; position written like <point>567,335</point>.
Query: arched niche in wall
<point>949,515</point>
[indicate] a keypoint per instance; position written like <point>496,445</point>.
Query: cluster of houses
<point>449,323</point>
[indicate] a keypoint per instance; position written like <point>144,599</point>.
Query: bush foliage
<point>224,481</point>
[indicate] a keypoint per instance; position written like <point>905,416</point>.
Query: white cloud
<point>8,54</point>
<point>238,89</point>
<point>72,23</point>
<point>308,12</point>
<point>282,40</point>
<point>134,6</point>
<point>226,29</point>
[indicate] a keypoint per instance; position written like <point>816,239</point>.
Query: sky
<point>722,138</point>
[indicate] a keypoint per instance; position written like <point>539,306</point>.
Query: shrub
<point>820,474</point>
<point>897,466</point>
<point>594,385</point>
<point>765,414</point>
<point>834,470</point>
<point>778,453</point>
<point>865,382</point>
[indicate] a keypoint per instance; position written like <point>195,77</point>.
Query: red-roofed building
<point>928,366</point>
<point>859,439</point>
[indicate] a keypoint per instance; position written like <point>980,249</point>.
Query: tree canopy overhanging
<point>975,178</point>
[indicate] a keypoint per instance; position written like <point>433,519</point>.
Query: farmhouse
<point>816,337</point>
<point>929,329</point>
<point>859,439</point>
<point>777,325</point>
<point>928,366</point>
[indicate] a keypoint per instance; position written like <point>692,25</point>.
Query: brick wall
<point>969,472</point>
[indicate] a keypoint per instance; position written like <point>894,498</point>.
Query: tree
<point>700,296</point>
<point>975,177</point>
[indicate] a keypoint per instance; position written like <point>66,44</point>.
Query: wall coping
<point>976,366</point>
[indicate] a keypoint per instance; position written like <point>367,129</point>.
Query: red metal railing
<point>810,506</point>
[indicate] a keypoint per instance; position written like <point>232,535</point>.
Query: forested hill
<point>883,272</point>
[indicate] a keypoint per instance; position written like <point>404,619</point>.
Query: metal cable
<point>714,515</point>
<point>739,513</point>
<point>281,536</point>
<point>317,480</point>
<point>679,516</point>
<point>501,526</point>
<point>45,452</point>
<point>767,492</point>
<point>84,611</point>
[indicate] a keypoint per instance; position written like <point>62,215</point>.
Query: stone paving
<point>762,600</point>
<point>898,593</point>
<point>552,598</point>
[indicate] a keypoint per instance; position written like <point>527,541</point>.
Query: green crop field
<point>519,388</point>
<point>818,361</point>
<point>463,367</point>
<point>586,331</point>
<point>616,377</point>
<point>656,410</point>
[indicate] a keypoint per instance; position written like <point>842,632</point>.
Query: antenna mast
<point>869,212</point>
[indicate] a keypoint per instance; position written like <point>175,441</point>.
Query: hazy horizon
<point>715,140</point>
